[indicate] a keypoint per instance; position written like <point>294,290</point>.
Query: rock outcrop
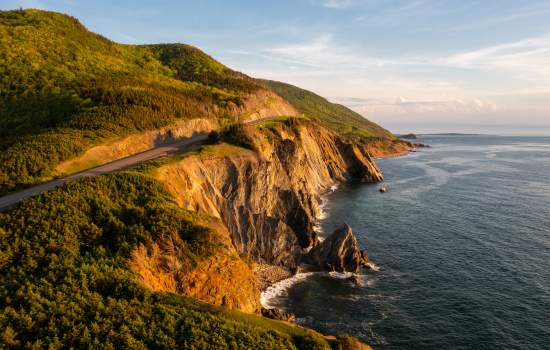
<point>278,314</point>
<point>268,199</point>
<point>338,252</point>
<point>221,277</point>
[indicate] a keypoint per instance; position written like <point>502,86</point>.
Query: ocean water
<point>462,245</point>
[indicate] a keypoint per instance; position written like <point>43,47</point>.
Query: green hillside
<point>63,89</point>
<point>335,116</point>
<point>64,254</point>
<point>66,283</point>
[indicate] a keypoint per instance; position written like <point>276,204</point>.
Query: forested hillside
<point>64,89</point>
<point>66,283</point>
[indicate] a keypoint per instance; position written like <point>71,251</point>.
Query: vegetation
<point>235,134</point>
<point>337,117</point>
<point>65,280</point>
<point>63,89</point>
<point>64,254</point>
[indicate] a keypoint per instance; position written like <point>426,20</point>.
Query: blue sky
<point>419,65</point>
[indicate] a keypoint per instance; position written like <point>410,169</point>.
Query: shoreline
<point>395,155</point>
<point>271,276</point>
<point>274,280</point>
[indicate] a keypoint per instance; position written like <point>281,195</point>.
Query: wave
<point>340,275</point>
<point>373,266</point>
<point>280,289</point>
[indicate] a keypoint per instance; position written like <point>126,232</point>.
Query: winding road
<point>12,199</point>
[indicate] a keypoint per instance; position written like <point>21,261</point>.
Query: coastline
<point>395,155</point>
<point>276,280</point>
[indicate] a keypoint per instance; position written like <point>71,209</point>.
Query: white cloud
<point>337,4</point>
<point>506,79</point>
<point>404,106</point>
<point>323,53</point>
<point>526,59</point>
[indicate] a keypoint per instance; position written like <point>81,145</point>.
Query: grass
<point>337,117</point>
<point>64,89</point>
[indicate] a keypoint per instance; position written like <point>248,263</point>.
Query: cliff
<point>72,99</point>
<point>269,199</point>
<point>260,205</point>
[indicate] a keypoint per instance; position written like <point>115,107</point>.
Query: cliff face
<point>268,199</point>
<point>262,104</point>
<point>135,143</point>
<point>220,277</point>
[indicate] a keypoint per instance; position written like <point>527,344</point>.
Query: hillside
<point>173,252</point>
<point>66,283</point>
<point>112,261</point>
<point>334,116</point>
<point>64,90</point>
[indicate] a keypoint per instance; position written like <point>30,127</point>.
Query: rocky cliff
<point>339,252</point>
<point>269,198</point>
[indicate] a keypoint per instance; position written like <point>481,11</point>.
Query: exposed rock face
<point>278,314</point>
<point>136,143</point>
<point>258,104</point>
<point>269,199</point>
<point>261,104</point>
<point>338,252</point>
<point>220,278</point>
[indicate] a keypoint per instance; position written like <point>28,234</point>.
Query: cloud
<point>337,4</point>
<point>323,53</point>
<point>526,59</point>
<point>402,105</point>
<point>396,12</point>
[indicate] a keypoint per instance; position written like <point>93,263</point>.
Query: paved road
<point>12,199</point>
<point>154,153</point>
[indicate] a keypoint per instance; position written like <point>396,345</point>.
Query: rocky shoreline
<point>337,252</point>
<point>268,275</point>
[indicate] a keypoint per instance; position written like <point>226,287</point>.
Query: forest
<point>66,282</point>
<point>64,89</point>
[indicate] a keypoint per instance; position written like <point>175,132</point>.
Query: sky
<point>480,66</point>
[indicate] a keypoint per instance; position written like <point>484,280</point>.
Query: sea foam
<point>280,289</point>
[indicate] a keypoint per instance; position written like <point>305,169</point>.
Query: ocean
<point>461,244</point>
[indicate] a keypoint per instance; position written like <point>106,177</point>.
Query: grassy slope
<point>66,283</point>
<point>63,89</point>
<point>335,116</point>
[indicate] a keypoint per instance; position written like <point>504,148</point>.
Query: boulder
<point>338,252</point>
<point>278,314</point>
<point>355,280</point>
<point>383,189</point>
